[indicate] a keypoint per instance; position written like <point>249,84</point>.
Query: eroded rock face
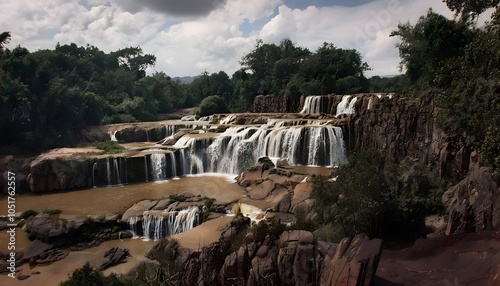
<point>60,174</point>
<point>354,262</point>
<point>474,203</point>
<point>293,259</point>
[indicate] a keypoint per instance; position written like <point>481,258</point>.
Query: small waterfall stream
<point>159,224</point>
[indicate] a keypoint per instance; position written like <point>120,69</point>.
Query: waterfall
<point>346,106</point>
<point>146,167</point>
<point>112,135</point>
<point>240,147</point>
<point>173,164</point>
<point>169,130</point>
<point>108,172</point>
<point>117,171</point>
<point>370,102</point>
<point>156,225</point>
<point>93,174</point>
<point>132,225</point>
<point>158,166</point>
<point>312,105</point>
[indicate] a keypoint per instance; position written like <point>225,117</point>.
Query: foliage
<point>177,198</point>
<point>211,105</point>
<point>28,213</point>
<point>381,201</point>
<point>109,147</point>
<point>462,64</point>
<point>88,275</point>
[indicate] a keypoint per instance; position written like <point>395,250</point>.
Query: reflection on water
<point>95,201</point>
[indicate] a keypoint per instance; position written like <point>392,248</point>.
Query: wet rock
<point>23,276</point>
<point>113,257</point>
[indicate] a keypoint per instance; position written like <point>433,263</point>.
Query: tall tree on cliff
<point>462,63</point>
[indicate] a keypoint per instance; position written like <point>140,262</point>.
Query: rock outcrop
<point>113,257</point>
<point>293,258</point>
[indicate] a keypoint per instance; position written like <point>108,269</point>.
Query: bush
<point>87,275</point>
<point>381,201</point>
<point>109,147</point>
<point>28,213</point>
<point>211,105</point>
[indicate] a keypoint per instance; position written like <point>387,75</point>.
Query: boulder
<point>474,203</point>
<point>113,257</point>
<point>302,236</point>
<point>261,191</point>
<point>235,268</point>
<point>354,262</point>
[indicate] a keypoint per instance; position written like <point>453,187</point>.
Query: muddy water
<point>96,201</point>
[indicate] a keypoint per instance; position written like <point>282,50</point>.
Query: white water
<point>156,225</point>
<point>312,105</point>
<point>346,105</point>
<point>132,225</point>
<point>158,166</point>
<point>172,164</point>
<point>254,213</point>
<point>112,134</point>
<point>241,146</point>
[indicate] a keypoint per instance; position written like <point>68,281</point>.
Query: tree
<point>356,198</point>
<point>4,40</point>
<point>211,105</point>
<point>426,47</point>
<point>469,10</point>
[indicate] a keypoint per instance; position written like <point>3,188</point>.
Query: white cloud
<point>214,41</point>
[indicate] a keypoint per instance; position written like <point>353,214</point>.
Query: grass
<point>109,147</point>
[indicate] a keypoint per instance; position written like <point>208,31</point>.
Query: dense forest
<point>47,96</point>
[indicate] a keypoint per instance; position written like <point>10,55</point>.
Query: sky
<point>189,37</point>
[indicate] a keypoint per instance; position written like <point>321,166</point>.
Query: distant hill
<point>185,79</point>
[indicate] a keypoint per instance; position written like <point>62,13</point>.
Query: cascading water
<point>312,105</point>
<point>117,171</point>
<point>132,225</point>
<point>108,172</point>
<point>146,172</point>
<point>93,175</point>
<point>158,166</point>
<point>240,147</point>
<point>346,105</point>
<point>172,163</point>
<point>112,135</point>
<point>169,130</point>
<point>156,225</point>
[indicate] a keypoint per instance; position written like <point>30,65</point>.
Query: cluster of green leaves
<point>109,147</point>
<point>461,62</point>
<point>211,105</point>
<point>371,197</point>
<point>88,275</point>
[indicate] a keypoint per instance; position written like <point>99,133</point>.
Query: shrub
<point>211,105</point>
<point>87,275</point>
<point>109,147</point>
<point>28,213</point>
